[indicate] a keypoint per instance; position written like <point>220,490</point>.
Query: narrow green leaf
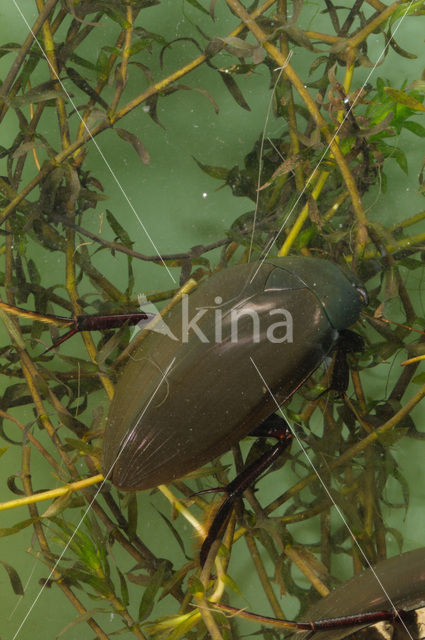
<point>82,62</point>
<point>33,272</point>
<point>15,580</point>
<point>8,48</point>
<point>10,531</point>
<point>174,532</point>
<point>146,603</point>
<point>220,173</point>
<point>415,128</point>
<point>297,35</point>
<point>102,66</point>
<point>34,96</point>
<point>234,90</point>
<point>57,506</point>
<point>197,5</point>
<point>401,160</point>
<point>173,627</point>
<point>238,47</point>
<point>419,379</point>
<point>82,447</point>
<point>212,9</point>
<point>402,11</point>
<point>82,618</point>
<point>139,45</point>
<point>403,485</point>
<point>119,231</point>
<point>136,143</point>
<point>82,84</point>
<point>118,17</point>
<point>404,98</point>
<point>24,148</point>
<point>185,87</point>
<point>124,589</point>
<point>182,629</point>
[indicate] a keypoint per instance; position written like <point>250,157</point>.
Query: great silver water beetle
<point>232,353</point>
<point>162,426</point>
<point>398,581</point>
<point>392,592</point>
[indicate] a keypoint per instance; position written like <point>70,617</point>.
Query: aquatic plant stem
<point>52,493</point>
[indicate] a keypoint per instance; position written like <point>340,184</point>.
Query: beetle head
<point>340,293</point>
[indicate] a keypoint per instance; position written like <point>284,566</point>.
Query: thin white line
<point>20,598</point>
<point>111,171</point>
<point>322,482</point>
<point>260,164</point>
<point>313,173</point>
<point>88,508</point>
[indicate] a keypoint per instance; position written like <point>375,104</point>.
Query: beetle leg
<point>348,342</point>
<point>349,622</point>
<point>97,322</point>
<point>274,427</point>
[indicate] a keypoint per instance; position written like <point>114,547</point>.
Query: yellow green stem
<point>52,493</point>
<point>296,228</point>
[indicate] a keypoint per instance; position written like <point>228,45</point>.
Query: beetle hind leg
<point>273,427</point>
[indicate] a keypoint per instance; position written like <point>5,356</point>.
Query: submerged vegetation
<point>121,78</point>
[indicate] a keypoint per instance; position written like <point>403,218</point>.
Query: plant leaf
<point>220,173</point>
<point>136,143</point>
<point>35,95</point>
<point>146,603</point>
<point>15,580</point>
<point>415,128</point>
<point>403,98</point>
<point>234,90</point>
<point>119,231</point>
<point>10,531</point>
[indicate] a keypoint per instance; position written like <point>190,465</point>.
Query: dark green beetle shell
<point>398,581</point>
<point>161,428</point>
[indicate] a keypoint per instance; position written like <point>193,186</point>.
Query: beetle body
<point>161,427</point>
<point>387,598</point>
<point>398,581</point>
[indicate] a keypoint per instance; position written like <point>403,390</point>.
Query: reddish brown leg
<point>272,427</point>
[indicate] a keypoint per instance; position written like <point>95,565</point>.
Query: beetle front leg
<point>94,322</point>
<point>273,427</point>
<point>100,322</point>
<point>348,342</point>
